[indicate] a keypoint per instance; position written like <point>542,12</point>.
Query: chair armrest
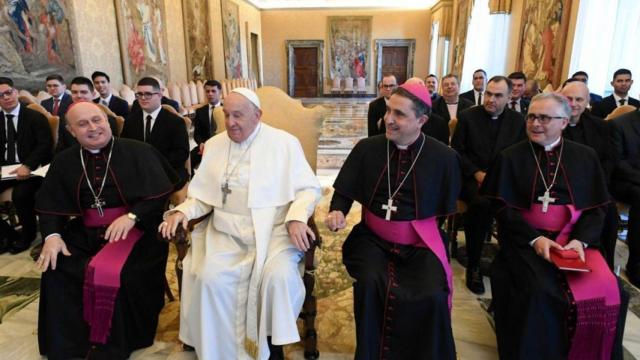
<point>182,235</point>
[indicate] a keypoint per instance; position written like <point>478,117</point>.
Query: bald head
<point>414,81</point>
<point>577,93</point>
<point>89,125</point>
<point>241,116</point>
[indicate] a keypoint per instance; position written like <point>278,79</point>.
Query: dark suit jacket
<point>65,139</point>
<point>62,108</point>
<point>34,141</point>
<point>472,138</point>
<point>440,107</point>
<point>594,98</point>
<point>135,107</point>
<point>118,105</point>
<point>596,135</point>
<point>524,105</point>
<point>625,137</point>
<point>603,108</point>
<point>203,127</point>
<point>469,95</point>
<point>377,109</point>
<point>168,135</point>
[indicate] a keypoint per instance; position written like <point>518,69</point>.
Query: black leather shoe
<point>4,245</point>
<point>20,245</point>
<point>276,351</point>
<point>474,281</point>
<point>633,274</point>
<point>187,347</point>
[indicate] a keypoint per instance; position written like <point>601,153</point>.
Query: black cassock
<point>535,313</point>
<point>400,291</point>
<point>138,178</point>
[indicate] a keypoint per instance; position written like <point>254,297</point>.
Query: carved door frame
<point>290,46</point>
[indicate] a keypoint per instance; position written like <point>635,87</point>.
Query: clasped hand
<point>543,247</point>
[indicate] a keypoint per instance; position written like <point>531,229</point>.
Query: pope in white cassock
<point>242,289</point>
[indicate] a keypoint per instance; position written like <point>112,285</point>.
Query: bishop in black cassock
<point>548,193</point>
<point>397,256</point>
<point>120,178</point>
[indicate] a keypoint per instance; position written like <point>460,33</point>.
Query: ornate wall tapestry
<point>463,16</point>
<point>35,40</point>
<point>542,39</point>
<point>231,39</point>
<point>349,46</point>
<point>143,39</point>
<point>196,33</point>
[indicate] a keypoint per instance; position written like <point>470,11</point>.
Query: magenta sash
<point>596,293</point>
<point>420,233</point>
<point>102,276</point>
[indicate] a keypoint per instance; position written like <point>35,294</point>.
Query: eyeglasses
<point>389,86</point>
<point>6,93</point>
<point>145,95</point>
<point>542,118</point>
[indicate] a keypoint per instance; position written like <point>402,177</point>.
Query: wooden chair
<point>119,119</point>
<point>281,111</point>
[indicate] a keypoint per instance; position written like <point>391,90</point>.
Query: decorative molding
<point>381,43</point>
<point>290,46</point>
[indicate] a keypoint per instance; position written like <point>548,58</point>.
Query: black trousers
<point>24,198</point>
<point>630,194</point>
<point>477,222</point>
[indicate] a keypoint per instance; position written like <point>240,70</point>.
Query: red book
<point>568,260</point>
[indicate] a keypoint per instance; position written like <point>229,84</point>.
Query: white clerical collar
<point>552,145</point>
<point>402,147</point>
<point>154,113</point>
<point>15,112</point>
<point>93,151</point>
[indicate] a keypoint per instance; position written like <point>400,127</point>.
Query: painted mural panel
<point>231,39</point>
<point>143,39</point>
<point>35,40</point>
<point>197,39</point>
<point>542,39</point>
<point>349,46</point>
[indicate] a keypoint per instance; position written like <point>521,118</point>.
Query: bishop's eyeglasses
<point>542,118</point>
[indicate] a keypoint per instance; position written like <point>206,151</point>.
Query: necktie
<point>479,98</point>
<point>212,121</point>
<point>513,105</point>
<point>56,106</point>
<point>621,101</point>
<point>104,102</point>
<point>11,139</point>
<point>147,130</point>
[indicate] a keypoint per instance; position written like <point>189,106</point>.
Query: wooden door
<point>305,72</point>
<point>394,61</point>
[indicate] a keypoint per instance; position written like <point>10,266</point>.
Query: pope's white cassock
<point>242,280</point>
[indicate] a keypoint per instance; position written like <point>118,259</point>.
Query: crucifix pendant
<point>389,208</point>
<point>98,204</point>
<point>225,191</point>
<point>546,199</point>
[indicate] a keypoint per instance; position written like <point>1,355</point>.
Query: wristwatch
<point>133,217</point>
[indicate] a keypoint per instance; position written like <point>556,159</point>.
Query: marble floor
<point>346,124</point>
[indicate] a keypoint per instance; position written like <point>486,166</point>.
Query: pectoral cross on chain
<point>98,204</point>
<point>546,199</point>
<point>389,208</point>
<point>225,191</point>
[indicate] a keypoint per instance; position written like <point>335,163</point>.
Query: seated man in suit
<point>161,128</point>
<point>589,130</point>
<point>25,139</point>
<point>102,83</point>
<point>435,126</point>
<point>204,125</point>
<point>450,104</point>
<point>481,133</point>
<point>625,182</point>
<point>378,107</point>
<point>518,102</point>
<point>59,101</point>
<point>81,90</point>
<point>431,82</point>
<point>584,77</point>
<point>164,100</point>
<point>621,85</point>
<point>479,83</point>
